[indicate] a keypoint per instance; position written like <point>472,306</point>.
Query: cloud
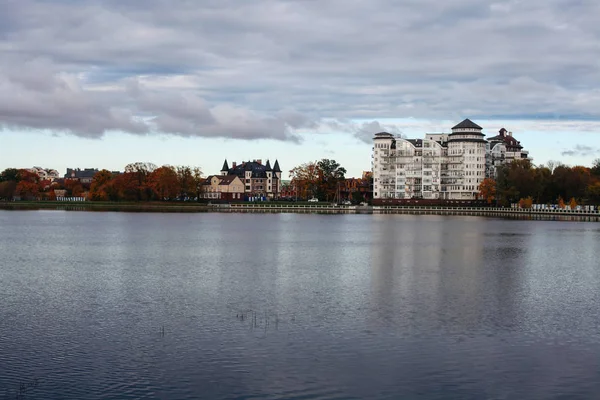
<point>581,150</point>
<point>272,69</point>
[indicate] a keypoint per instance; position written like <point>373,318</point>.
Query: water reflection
<point>117,305</point>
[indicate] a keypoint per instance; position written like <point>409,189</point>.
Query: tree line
<point>553,183</point>
<point>322,179</point>
<point>140,181</point>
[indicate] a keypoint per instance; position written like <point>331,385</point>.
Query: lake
<point>98,305</point>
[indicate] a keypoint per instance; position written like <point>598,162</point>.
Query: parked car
<point>313,200</point>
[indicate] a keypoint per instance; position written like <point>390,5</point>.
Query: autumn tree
<point>573,203</point>
<point>27,189</point>
<point>305,178</point>
<point>165,183</point>
<point>198,180</point>
<point>526,203</point>
<point>487,190</point>
<point>7,190</point>
<point>100,187</point>
<point>561,202</point>
<point>186,182</point>
<point>139,172</point>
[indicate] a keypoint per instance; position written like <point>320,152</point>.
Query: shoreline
<point>301,209</point>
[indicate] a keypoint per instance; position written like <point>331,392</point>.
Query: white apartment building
<point>444,166</point>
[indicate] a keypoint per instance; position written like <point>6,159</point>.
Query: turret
<point>225,168</point>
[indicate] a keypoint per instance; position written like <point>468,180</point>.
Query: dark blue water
<point>284,306</point>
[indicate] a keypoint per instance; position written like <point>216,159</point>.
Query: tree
<point>185,179</point>
<point>9,174</point>
<point>573,203</point>
<point>595,170</point>
<point>100,185</point>
<point>487,190</point>
<point>305,178</point>
<point>357,197</point>
<point>561,202</point>
<point>7,190</point>
<point>593,192</point>
<point>139,173</point>
<point>198,181</point>
<point>526,203</point>
<point>330,175</point>
<point>164,182</point>
<point>27,189</point>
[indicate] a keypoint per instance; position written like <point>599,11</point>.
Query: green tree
<point>357,197</point>
<point>9,174</point>
<point>595,170</point>
<point>331,174</point>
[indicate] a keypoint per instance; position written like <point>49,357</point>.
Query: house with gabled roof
<point>260,180</point>
<point>223,187</point>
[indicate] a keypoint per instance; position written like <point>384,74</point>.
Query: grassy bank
<point>106,206</point>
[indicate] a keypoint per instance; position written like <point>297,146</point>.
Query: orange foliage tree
<point>305,178</point>
<point>487,190</point>
<point>101,185</point>
<point>561,202</point>
<point>27,189</point>
<point>164,183</point>
<point>573,203</point>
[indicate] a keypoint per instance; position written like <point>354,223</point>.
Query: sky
<point>88,84</point>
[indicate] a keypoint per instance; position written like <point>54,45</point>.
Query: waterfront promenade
<point>322,208</point>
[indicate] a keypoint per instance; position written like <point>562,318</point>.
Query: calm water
<point>284,306</point>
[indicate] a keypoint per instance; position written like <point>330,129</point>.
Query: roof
<point>467,124</point>
<point>225,166</point>
<point>268,166</point>
<point>383,135</point>
<point>78,173</point>
<point>226,179</point>
<point>508,140</point>
<point>276,166</point>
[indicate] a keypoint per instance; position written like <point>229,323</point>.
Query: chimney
<point>234,164</point>
<point>510,134</point>
<point>259,161</point>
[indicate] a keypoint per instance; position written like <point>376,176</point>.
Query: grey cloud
<point>271,69</point>
<point>366,130</point>
<point>581,150</point>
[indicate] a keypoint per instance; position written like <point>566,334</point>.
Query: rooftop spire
<point>276,167</point>
<point>225,166</point>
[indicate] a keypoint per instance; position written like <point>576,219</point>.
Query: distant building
<point>260,180</point>
<point>223,187</point>
<point>82,175</point>
<point>503,149</point>
<point>446,166</point>
<point>45,173</point>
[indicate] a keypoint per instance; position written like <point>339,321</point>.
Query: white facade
<point>503,149</point>
<point>44,173</point>
<point>441,166</point>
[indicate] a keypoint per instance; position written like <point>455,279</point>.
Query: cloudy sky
<point>100,84</point>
